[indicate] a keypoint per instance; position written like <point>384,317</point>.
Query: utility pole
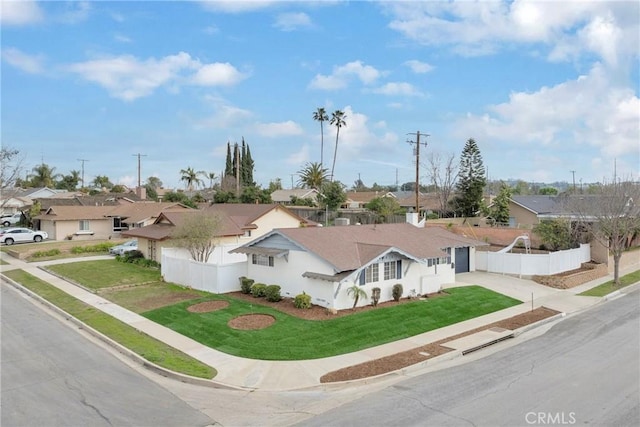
<point>139,155</point>
<point>574,181</point>
<point>417,151</point>
<point>83,160</point>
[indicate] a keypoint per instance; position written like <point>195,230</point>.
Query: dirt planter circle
<point>207,306</point>
<point>252,321</point>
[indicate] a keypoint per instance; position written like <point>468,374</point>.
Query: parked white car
<point>131,245</point>
<point>10,219</point>
<point>12,235</point>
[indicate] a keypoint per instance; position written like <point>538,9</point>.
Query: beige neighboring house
<point>283,197</point>
<point>358,199</point>
<point>241,223</point>
<point>100,222</point>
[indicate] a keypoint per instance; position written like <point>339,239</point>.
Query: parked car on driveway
<point>131,245</point>
<point>11,235</point>
<point>10,219</point>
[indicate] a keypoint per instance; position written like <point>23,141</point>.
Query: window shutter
<point>362,278</point>
<point>399,269</point>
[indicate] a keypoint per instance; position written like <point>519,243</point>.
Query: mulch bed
<point>207,306</point>
<point>413,356</point>
<point>251,321</point>
<point>316,312</point>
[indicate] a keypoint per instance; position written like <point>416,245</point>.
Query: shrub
<point>42,254</point>
<point>302,301</point>
<point>245,285</point>
<point>375,296</point>
<point>132,255</point>
<point>272,293</point>
<point>258,290</point>
<point>396,292</point>
<point>100,247</point>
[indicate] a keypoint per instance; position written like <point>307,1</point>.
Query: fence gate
<point>462,260</point>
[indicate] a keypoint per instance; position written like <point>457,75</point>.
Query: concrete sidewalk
<point>240,373</point>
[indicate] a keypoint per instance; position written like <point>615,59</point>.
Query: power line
<point>417,153</point>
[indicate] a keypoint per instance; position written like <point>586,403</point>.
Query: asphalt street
<point>54,376</point>
<point>583,371</point>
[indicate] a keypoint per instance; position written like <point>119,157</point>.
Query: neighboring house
<point>284,197</point>
<point>324,262</point>
<point>358,199</point>
<point>100,222</point>
<point>528,211</point>
<point>240,223</point>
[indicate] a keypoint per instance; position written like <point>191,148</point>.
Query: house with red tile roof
<point>324,262</point>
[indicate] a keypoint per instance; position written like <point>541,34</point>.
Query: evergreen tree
<point>228,170</point>
<point>243,164</point>
<point>249,165</point>
<point>235,160</point>
<point>471,181</point>
<point>500,208</point>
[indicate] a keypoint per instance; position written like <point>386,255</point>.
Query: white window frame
<point>390,270</point>
<point>263,260</point>
<point>372,274</point>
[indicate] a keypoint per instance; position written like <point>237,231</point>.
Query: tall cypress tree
<point>248,162</point>
<point>243,164</point>
<point>235,159</point>
<point>471,181</point>
<point>228,169</point>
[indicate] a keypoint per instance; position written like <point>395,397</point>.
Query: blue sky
<point>545,88</point>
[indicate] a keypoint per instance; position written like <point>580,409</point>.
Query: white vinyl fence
<point>214,278</point>
<point>533,264</point>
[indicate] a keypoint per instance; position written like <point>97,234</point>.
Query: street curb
<point>122,349</point>
<point>429,362</point>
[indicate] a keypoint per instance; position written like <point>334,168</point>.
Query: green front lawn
<point>149,348</point>
<point>608,287</point>
<point>291,338</point>
<point>106,273</point>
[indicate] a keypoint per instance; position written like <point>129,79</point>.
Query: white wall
<point>533,264</point>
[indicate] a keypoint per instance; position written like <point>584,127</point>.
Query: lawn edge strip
<point>607,288</point>
<point>184,376</point>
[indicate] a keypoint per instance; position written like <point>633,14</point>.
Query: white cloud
<point>299,157</point>
<point>224,115</point>
<point>122,38</point>
<point>129,78</point>
<point>22,12</point>
<point>292,21</point>
<point>218,74</point>
<point>32,64</point>
<point>418,67</point>
<point>589,113</point>
<point>273,130</point>
<point>236,6</point>
<point>341,76</point>
<point>74,12</point>
<point>397,89</point>
<point>569,28</point>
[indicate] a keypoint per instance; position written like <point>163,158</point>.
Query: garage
<point>462,260</point>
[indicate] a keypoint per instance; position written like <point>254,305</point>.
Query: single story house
<point>284,197</point>
<point>100,222</point>
<point>239,224</point>
<point>325,261</point>
<point>358,199</point>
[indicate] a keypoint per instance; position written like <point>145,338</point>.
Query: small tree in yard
<point>356,292</point>
<point>555,234</point>
<point>197,234</point>
<point>612,216</point>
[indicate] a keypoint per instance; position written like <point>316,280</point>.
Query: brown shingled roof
<point>351,247</point>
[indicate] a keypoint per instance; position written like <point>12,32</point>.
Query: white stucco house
<point>324,262</point>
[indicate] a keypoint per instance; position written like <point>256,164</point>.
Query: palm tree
<point>190,177</point>
<point>337,119</point>
<point>313,175</point>
<point>43,176</point>
<point>211,176</point>
<point>356,292</point>
<point>320,115</point>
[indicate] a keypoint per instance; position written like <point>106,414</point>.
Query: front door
<point>462,260</point>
